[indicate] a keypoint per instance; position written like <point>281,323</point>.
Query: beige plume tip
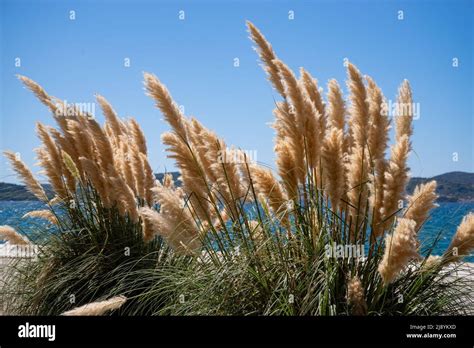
<point>149,77</point>
<point>21,77</point>
<point>353,72</point>
<point>97,308</point>
<point>32,85</point>
<point>463,241</point>
<point>9,234</point>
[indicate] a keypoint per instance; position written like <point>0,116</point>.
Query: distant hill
<point>13,192</point>
<point>452,187</point>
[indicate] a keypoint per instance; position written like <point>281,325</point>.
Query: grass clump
<point>330,232</point>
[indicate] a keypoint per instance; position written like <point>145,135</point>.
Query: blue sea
<point>444,219</point>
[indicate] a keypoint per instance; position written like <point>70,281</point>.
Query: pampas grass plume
<point>463,240</point>
<point>421,202</point>
<point>356,297</point>
<point>97,308</point>
<point>26,176</point>
<point>267,55</point>
<point>10,235</point>
<point>400,248</point>
<point>44,214</point>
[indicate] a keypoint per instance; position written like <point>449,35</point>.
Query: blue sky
<point>75,59</point>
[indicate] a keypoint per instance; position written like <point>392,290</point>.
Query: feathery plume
<point>404,111</point>
<point>103,146</point>
<point>124,162</point>
<point>110,116</point>
<point>356,297</point>
<point>174,222</point>
<point>56,200</point>
<point>150,179</point>
<point>311,86</point>
<point>257,232</point>
<point>138,170</point>
<point>26,176</point>
<point>51,171</point>
<point>39,92</point>
<point>138,136</point>
<point>168,181</point>
<point>50,146</point>
<point>166,104</point>
<point>463,241</point>
<point>421,202</point>
<point>396,178</point>
<point>268,186</point>
<point>97,180</point>
<point>286,168</point>
<point>204,142</point>
<point>336,106</point>
<point>432,261</point>
<point>70,165</point>
<point>226,170</point>
<point>377,143</point>
<point>289,145</point>
<point>97,308</point>
<point>359,109</point>
<point>192,174</point>
<point>9,234</point>
<point>218,163</point>
<point>42,214</point>
<point>267,55</point>
<point>303,108</point>
<point>400,248</point>
<point>307,116</point>
<point>379,122</point>
<point>333,164</point>
<point>147,228</point>
<point>67,144</point>
<point>357,178</point>
<point>285,123</point>
<point>124,197</point>
<point>83,143</point>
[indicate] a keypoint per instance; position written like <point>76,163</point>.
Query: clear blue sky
<point>73,60</point>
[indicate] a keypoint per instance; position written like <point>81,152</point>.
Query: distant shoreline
<point>452,187</point>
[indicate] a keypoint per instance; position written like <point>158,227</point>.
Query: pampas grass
<point>42,214</point>
<point>400,248</point>
<point>421,202</point>
<point>332,158</point>
<point>165,102</point>
<point>337,186</point>
<point>9,234</point>
<point>355,297</point>
<point>463,241</point>
<point>336,106</point>
<point>238,237</point>
<point>26,176</point>
<point>97,308</point>
<point>268,56</point>
<point>95,209</point>
<point>269,188</point>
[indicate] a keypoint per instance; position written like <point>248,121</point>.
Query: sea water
<point>444,219</point>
